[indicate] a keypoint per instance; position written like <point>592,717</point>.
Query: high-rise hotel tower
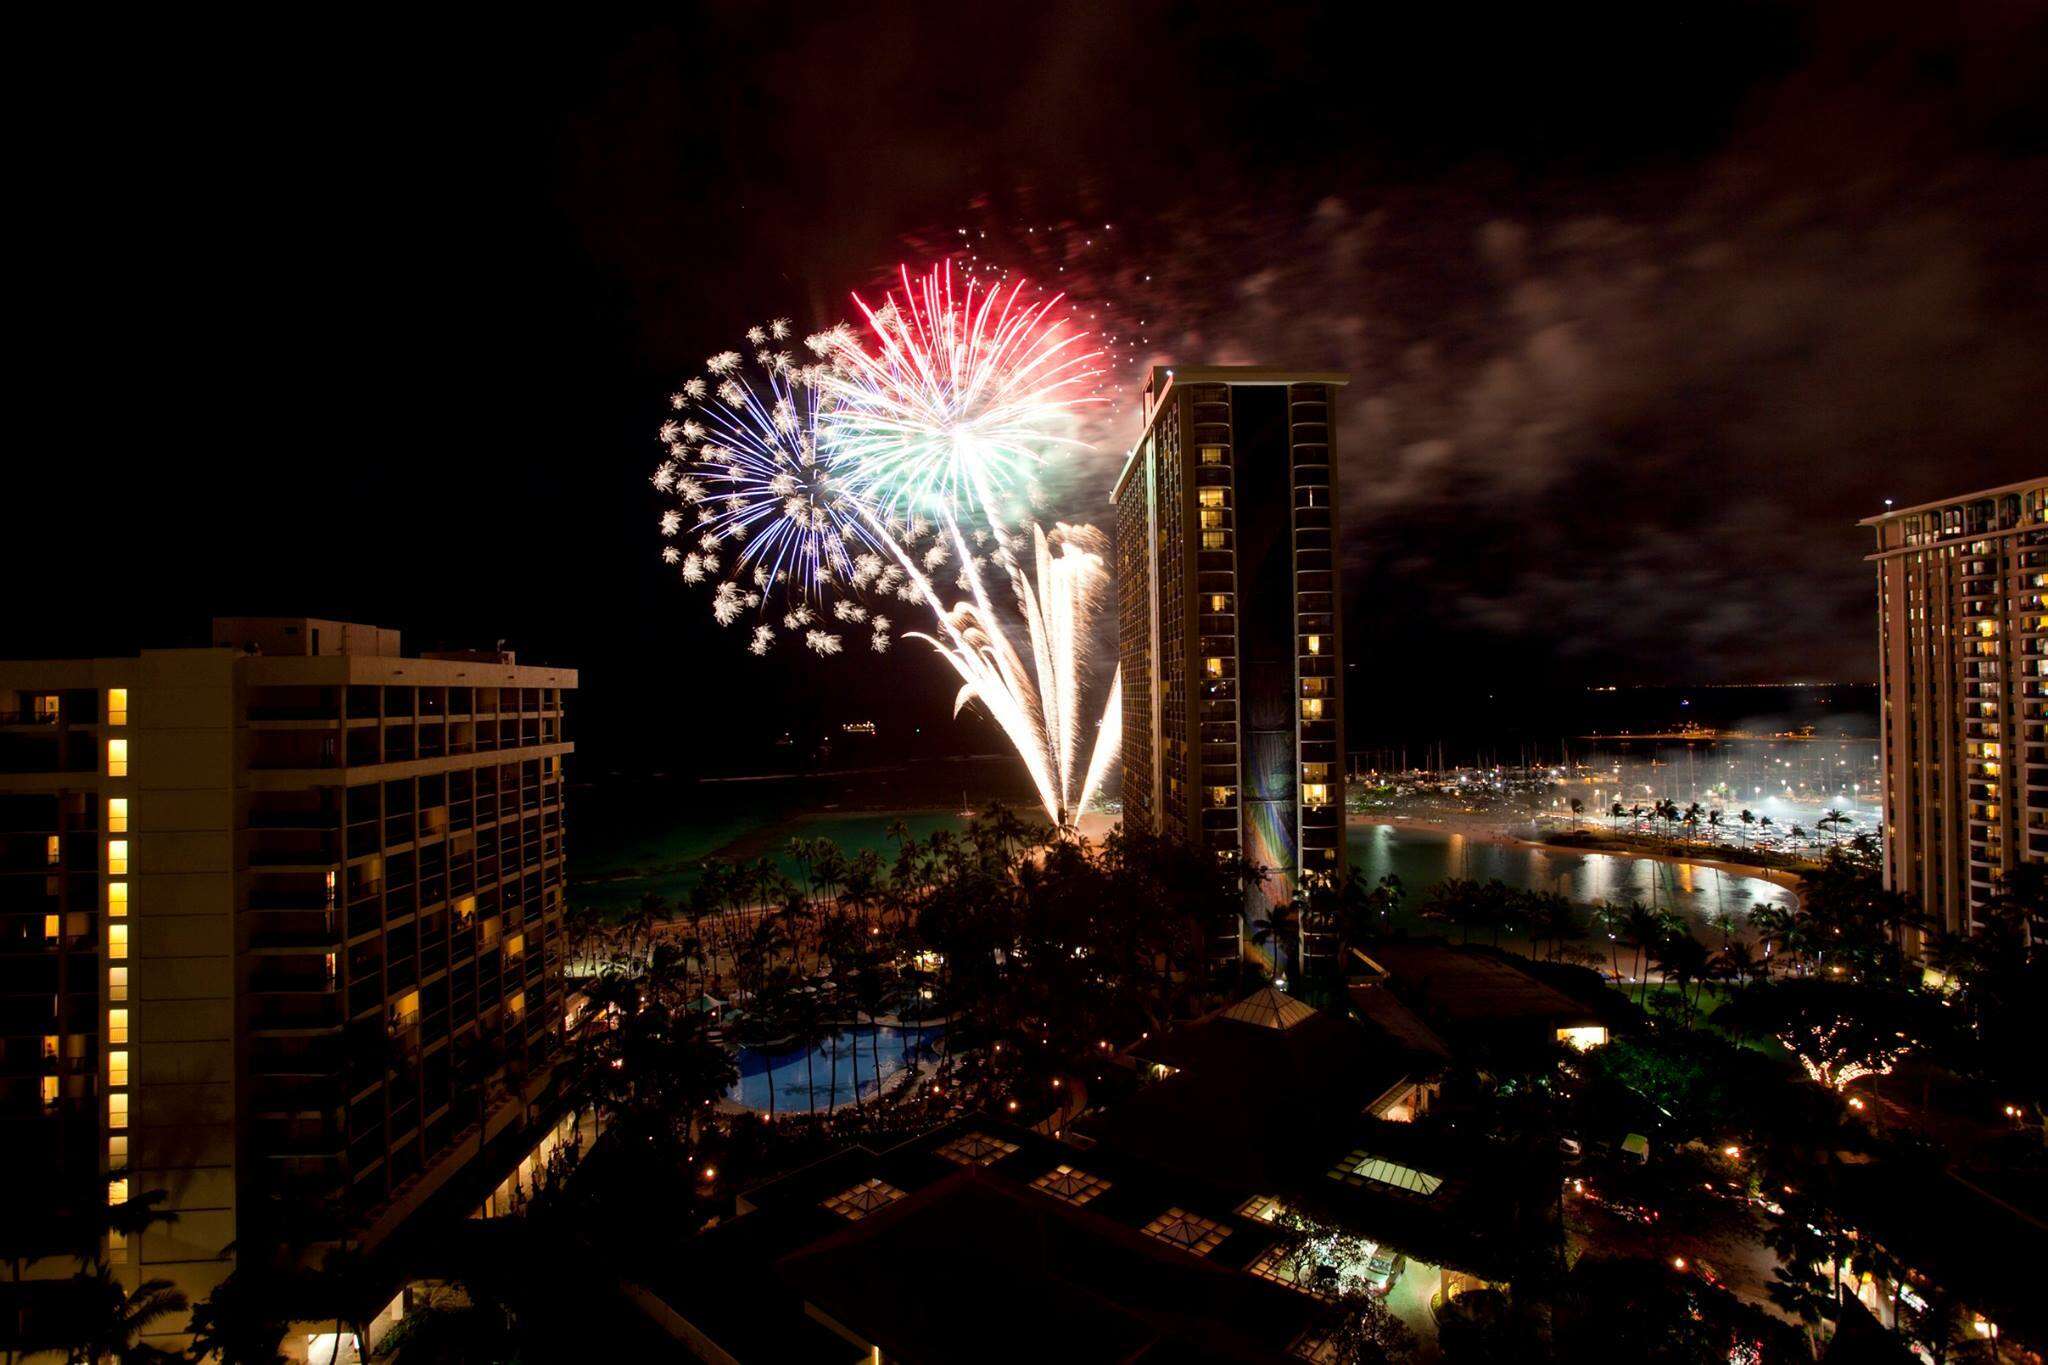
<point>1962,590</point>
<point>1229,625</point>
<point>280,937</point>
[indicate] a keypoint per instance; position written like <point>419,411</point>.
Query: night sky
<point>1643,309</point>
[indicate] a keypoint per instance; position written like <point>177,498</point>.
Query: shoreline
<point>1488,831</point>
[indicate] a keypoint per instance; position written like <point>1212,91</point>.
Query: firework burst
<point>950,405</point>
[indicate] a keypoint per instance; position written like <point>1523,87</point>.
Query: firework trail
<point>864,475</point>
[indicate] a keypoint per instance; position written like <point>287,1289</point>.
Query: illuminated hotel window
<point>1315,794</point>
<point>117,940</point>
<point>406,1011</point>
<point>516,1006</point>
<point>49,1090</point>
<point>49,1047</point>
<point>53,926</point>
<point>465,911</point>
<point>117,758</point>
<point>53,850</point>
<point>1212,454</point>
<point>117,856</point>
<point>117,815</point>
<point>1213,666</point>
<point>117,1068</point>
<point>1315,644</point>
<point>117,983</point>
<point>117,899</point>
<point>1209,497</point>
<point>1219,601</point>
<point>117,1020</point>
<point>1315,772</point>
<point>117,1110</point>
<point>117,1149</point>
<point>515,945</point>
<point>1312,708</point>
<point>117,1192</point>
<point>1219,796</point>
<point>1211,518</point>
<point>1314,687</point>
<point>117,706</point>
<point>1212,540</point>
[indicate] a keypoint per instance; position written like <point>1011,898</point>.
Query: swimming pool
<point>850,1066</point>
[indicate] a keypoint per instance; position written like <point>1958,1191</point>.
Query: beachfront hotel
<point>282,931</point>
<point>1962,588</point>
<point>1229,624</point>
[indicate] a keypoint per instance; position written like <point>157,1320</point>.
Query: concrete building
<point>1962,672</point>
<point>282,925</point>
<point>1229,624</point>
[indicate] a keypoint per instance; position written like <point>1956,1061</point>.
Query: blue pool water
<point>852,1064</point>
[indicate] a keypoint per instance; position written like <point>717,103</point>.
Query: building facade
<point>1962,673</point>
<point>283,938</point>
<point>1230,627</point>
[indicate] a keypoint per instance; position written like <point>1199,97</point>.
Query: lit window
<point>117,941</point>
<point>1312,708</point>
<point>46,709</point>
<point>49,1090</point>
<point>515,945</point>
<point>1219,601</point>
<point>1076,1187</point>
<point>465,911</point>
<point>1211,518</point>
<point>53,850</point>
<point>117,899</point>
<point>1219,796</point>
<point>1315,772</point>
<point>53,926</point>
<point>1213,666</point>
<point>117,706</point>
<point>1315,795</point>
<point>516,1006</point>
<point>1210,497</point>
<point>117,1149</point>
<point>1361,1166</point>
<point>117,758</point>
<point>49,1047</point>
<point>117,1192</point>
<point>117,1109</point>
<point>1314,687</point>
<point>1212,540</point>
<point>117,983</point>
<point>1263,1207</point>
<point>1583,1038</point>
<point>976,1149</point>
<point>117,1020</point>
<point>117,815</point>
<point>117,857</point>
<point>406,1011</point>
<point>117,1068</point>
<point>870,1196</point>
<point>1212,454</point>
<point>1315,644</point>
<point>1189,1231</point>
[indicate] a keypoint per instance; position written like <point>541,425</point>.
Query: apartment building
<point>1230,625</point>
<point>1962,587</point>
<point>280,936</point>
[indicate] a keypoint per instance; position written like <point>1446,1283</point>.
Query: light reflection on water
<point>1424,857</point>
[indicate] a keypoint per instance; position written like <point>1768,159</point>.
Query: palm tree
<point>1279,928</point>
<point>242,1322</point>
<point>1682,958</point>
<point>115,1318</point>
<point>1578,809</point>
<point>1642,929</point>
<point>1833,820</point>
<point>1748,818</point>
<point>1735,962</point>
<point>1714,824</point>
